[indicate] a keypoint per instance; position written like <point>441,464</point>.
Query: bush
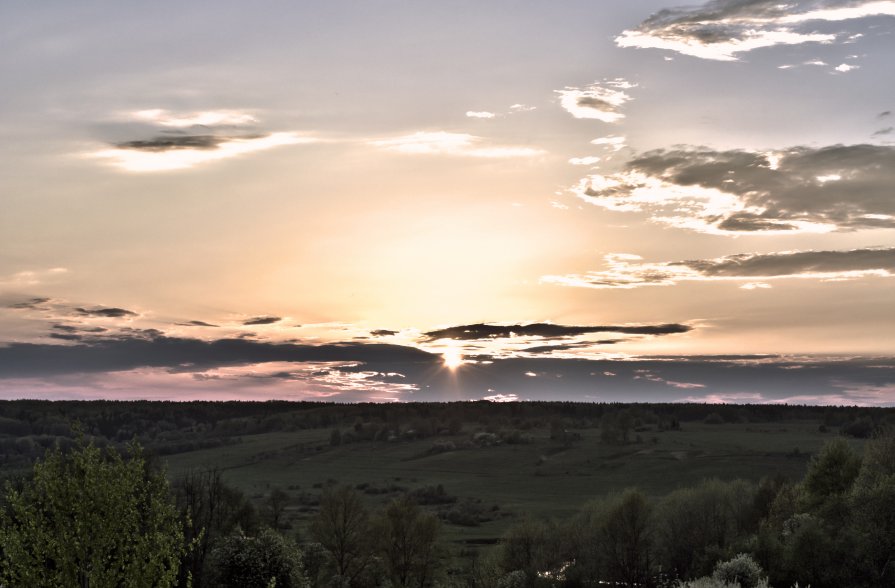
<point>257,562</point>
<point>741,570</point>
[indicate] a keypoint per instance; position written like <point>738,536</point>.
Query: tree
<point>343,528</point>
<point>91,518</point>
<point>275,507</point>
<point>829,479</point>
<point>210,510</point>
<point>409,543</point>
<point>873,506</point>
<point>257,562</point>
<point>628,539</point>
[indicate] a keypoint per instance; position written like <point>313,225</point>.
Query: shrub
<point>741,570</point>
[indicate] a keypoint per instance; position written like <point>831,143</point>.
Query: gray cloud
<point>30,304</point>
<point>174,142</point>
<point>196,324</point>
<point>629,271</point>
<point>547,331</point>
<point>721,29</point>
<point>383,333</point>
<point>148,348</point>
<point>262,320</point>
<point>885,131</point>
<point>105,312</point>
<point>800,189</point>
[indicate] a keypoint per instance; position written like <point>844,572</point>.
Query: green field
<point>540,478</point>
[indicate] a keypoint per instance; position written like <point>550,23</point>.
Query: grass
<point>539,479</point>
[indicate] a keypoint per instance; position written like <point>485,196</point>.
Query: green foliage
<point>830,476</point>
<point>873,508</point>
<point>91,518</point>
<point>269,559</point>
<point>699,525</point>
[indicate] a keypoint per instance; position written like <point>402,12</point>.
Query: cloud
<point>196,324</point>
<point>613,142</point>
<point>600,100</point>
<point>29,278</point>
<point>589,160</point>
<point>629,271</point>
<point>134,349</point>
<point>722,29</point>
<point>885,131</point>
<point>797,190</point>
<point>479,114</point>
<point>184,152</point>
<point>202,118</point>
<point>456,144</point>
<point>383,333</point>
<point>845,67</point>
<point>105,312</point>
<point>547,330</point>
<point>30,304</point>
<point>262,320</point>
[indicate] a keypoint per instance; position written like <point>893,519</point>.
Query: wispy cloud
<point>801,189</point>
<point>630,271</point>
<point>479,114</point>
<point>722,29</point>
<point>454,144</point>
<point>600,100</point>
<point>29,278</point>
<point>167,154</point>
<point>166,118</point>
<point>612,142</point>
<point>177,141</point>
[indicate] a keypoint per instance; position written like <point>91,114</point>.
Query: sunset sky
<point>394,200</point>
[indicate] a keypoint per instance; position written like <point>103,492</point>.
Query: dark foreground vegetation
<point>454,495</point>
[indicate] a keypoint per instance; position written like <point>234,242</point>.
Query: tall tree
<point>91,519</point>
<point>343,528</point>
<point>408,540</point>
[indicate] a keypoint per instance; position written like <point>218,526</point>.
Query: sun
<point>452,358</point>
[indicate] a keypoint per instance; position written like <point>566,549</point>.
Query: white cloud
<point>600,101</point>
<point>616,143</point>
<point>590,160</point>
<point>844,67</point>
<point>204,118</point>
<point>720,51</point>
<point>457,144</point>
<point>721,29</point>
<point>479,114</point>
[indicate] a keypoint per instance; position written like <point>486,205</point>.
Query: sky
<point>387,200</point>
